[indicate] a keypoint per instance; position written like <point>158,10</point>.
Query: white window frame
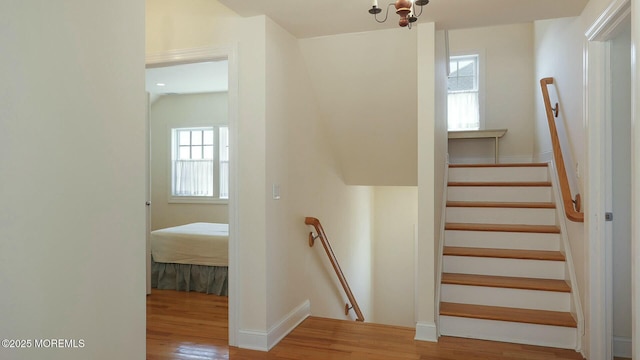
<point>215,199</point>
<point>481,82</point>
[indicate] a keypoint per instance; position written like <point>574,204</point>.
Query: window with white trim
<point>463,94</point>
<point>200,163</point>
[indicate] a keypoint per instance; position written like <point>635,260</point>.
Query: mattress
<point>197,243</point>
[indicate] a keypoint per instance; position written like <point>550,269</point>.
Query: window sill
<point>197,200</point>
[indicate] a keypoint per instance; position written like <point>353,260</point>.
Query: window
<point>200,163</point>
<point>463,98</point>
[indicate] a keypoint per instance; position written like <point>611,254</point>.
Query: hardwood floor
<point>183,325</point>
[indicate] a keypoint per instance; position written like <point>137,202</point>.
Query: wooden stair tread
<point>498,165</point>
<point>506,282</point>
<point>541,317</point>
<point>504,253</point>
<point>546,229</point>
<point>500,204</point>
<point>501,183</point>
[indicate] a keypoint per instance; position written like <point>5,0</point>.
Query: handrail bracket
<point>312,238</point>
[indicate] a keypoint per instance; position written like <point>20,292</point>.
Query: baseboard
<point>490,160</point>
<point>546,156</point>
<point>289,322</point>
<point>426,331</point>
<point>622,347</point>
<point>253,340</point>
<point>264,341</point>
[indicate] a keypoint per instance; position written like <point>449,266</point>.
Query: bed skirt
<point>185,277</point>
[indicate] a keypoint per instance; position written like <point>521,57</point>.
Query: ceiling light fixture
<point>160,84</point>
<point>404,8</point>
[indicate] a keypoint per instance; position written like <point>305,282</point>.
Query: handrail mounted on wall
<point>334,262</point>
<point>571,206</point>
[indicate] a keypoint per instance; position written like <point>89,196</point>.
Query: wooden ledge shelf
<point>480,134</point>
<point>504,253</point>
<point>506,282</point>
<point>541,317</point>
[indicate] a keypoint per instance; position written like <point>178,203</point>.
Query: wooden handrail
<point>571,206</point>
<point>334,262</point>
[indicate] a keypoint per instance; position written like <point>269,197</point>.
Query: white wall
<point>300,161</point>
<point>394,227</point>
<point>559,46</point>
<point>365,85</point>
<point>172,111</point>
<point>635,176</point>
<point>72,235</point>
<point>507,63</point>
<point>172,25</point>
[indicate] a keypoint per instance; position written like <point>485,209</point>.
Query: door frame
<point>597,112</point>
<point>202,54</point>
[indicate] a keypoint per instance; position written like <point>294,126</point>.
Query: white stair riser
<point>539,269</point>
<point>501,216</point>
<point>519,333</point>
<point>499,174</point>
<point>502,240</point>
<point>514,298</point>
<point>499,193</point>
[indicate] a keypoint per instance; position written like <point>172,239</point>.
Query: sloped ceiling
<point>365,85</point>
<point>306,18</point>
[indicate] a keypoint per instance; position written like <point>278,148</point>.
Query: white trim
<point>635,176</point>
<point>147,175</point>
<point>426,331</point>
<point>191,55</point>
<point>566,248</point>
<point>252,340</point>
<point>597,100</point>
<point>265,341</point>
<point>545,157</point>
<point>181,56</point>
<point>443,220</point>
<point>512,332</point>
<point>289,322</point>
<point>622,347</point>
<point>416,274</point>
<point>608,21</point>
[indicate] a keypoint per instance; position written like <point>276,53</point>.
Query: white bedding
<point>197,243</point>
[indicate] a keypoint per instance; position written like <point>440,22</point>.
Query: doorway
<point>197,56</point>
<point>609,88</point>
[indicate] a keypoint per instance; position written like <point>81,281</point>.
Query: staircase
<point>505,276</point>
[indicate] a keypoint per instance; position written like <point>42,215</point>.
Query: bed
<point>191,257</point>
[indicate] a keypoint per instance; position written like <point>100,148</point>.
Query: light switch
<point>276,191</point>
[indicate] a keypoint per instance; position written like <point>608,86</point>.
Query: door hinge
<point>608,216</point>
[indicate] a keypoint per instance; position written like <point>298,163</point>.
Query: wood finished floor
<point>183,326</point>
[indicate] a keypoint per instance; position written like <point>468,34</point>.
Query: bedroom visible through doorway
<point>188,176</point>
